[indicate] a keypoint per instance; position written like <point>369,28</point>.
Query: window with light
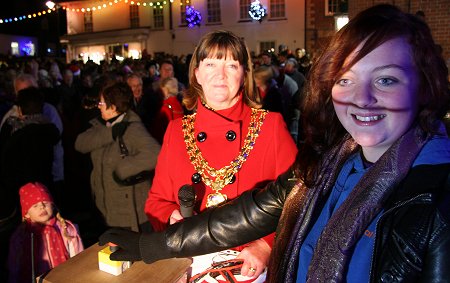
<point>267,46</point>
<point>88,25</point>
<point>244,6</point>
<point>134,16</point>
<point>333,7</point>
<point>213,7</point>
<point>277,9</point>
<point>158,17</point>
<point>183,4</point>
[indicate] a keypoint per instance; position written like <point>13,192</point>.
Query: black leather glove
<point>128,242</point>
<point>134,246</point>
<point>119,129</point>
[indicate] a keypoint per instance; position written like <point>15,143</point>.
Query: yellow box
<point>111,266</point>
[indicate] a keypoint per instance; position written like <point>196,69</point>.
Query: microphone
<point>186,196</point>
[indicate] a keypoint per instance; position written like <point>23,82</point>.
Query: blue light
<point>193,17</point>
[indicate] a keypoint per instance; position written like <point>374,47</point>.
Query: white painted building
<point>97,29</point>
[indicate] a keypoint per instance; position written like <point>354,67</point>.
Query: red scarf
<point>48,244</point>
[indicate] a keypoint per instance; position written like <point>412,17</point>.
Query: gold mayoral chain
<point>218,179</point>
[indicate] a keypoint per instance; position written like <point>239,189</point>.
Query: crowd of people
<point>281,156</point>
<point>81,114</point>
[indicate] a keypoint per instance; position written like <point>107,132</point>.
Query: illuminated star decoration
<point>257,11</point>
<point>193,17</point>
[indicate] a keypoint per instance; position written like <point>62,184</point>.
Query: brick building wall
<point>319,28</point>
<point>437,16</point>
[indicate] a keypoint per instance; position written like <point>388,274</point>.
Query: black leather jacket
<point>412,239</point>
<point>413,235</point>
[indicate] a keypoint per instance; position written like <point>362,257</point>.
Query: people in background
<point>170,109</point>
<point>144,103</point>
<point>166,71</point>
<point>291,70</point>
<point>152,74</point>
<point>268,89</point>
<point>51,113</point>
<point>289,93</point>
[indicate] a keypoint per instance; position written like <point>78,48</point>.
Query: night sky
<point>31,27</point>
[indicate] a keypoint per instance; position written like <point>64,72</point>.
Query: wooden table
<point>83,268</point>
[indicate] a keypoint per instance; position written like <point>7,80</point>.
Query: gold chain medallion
<point>217,179</point>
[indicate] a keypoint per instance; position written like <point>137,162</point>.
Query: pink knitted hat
<point>31,194</point>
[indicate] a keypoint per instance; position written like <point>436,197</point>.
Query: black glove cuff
<point>153,247</point>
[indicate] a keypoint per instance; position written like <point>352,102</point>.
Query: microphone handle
<point>186,211</point>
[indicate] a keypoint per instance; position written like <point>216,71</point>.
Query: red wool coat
<point>170,110</point>
<point>273,153</point>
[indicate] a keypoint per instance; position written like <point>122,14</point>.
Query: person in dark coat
<point>144,102</point>
<point>268,89</point>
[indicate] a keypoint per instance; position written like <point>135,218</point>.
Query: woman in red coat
<point>227,147</point>
<point>170,109</point>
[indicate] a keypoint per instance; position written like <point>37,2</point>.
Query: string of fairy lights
<point>256,10</point>
<point>24,17</point>
<point>156,4</point>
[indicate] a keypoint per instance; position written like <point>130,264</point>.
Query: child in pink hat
<point>44,234</point>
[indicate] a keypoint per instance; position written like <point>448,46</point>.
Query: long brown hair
<point>373,26</point>
<point>219,44</point>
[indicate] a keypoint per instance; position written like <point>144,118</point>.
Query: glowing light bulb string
<point>100,6</point>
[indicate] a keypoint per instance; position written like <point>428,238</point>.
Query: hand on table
<point>256,257</point>
<point>128,242</point>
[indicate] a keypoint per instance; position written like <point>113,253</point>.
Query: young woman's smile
<point>377,99</point>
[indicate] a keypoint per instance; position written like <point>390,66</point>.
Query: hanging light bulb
<point>50,4</point>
